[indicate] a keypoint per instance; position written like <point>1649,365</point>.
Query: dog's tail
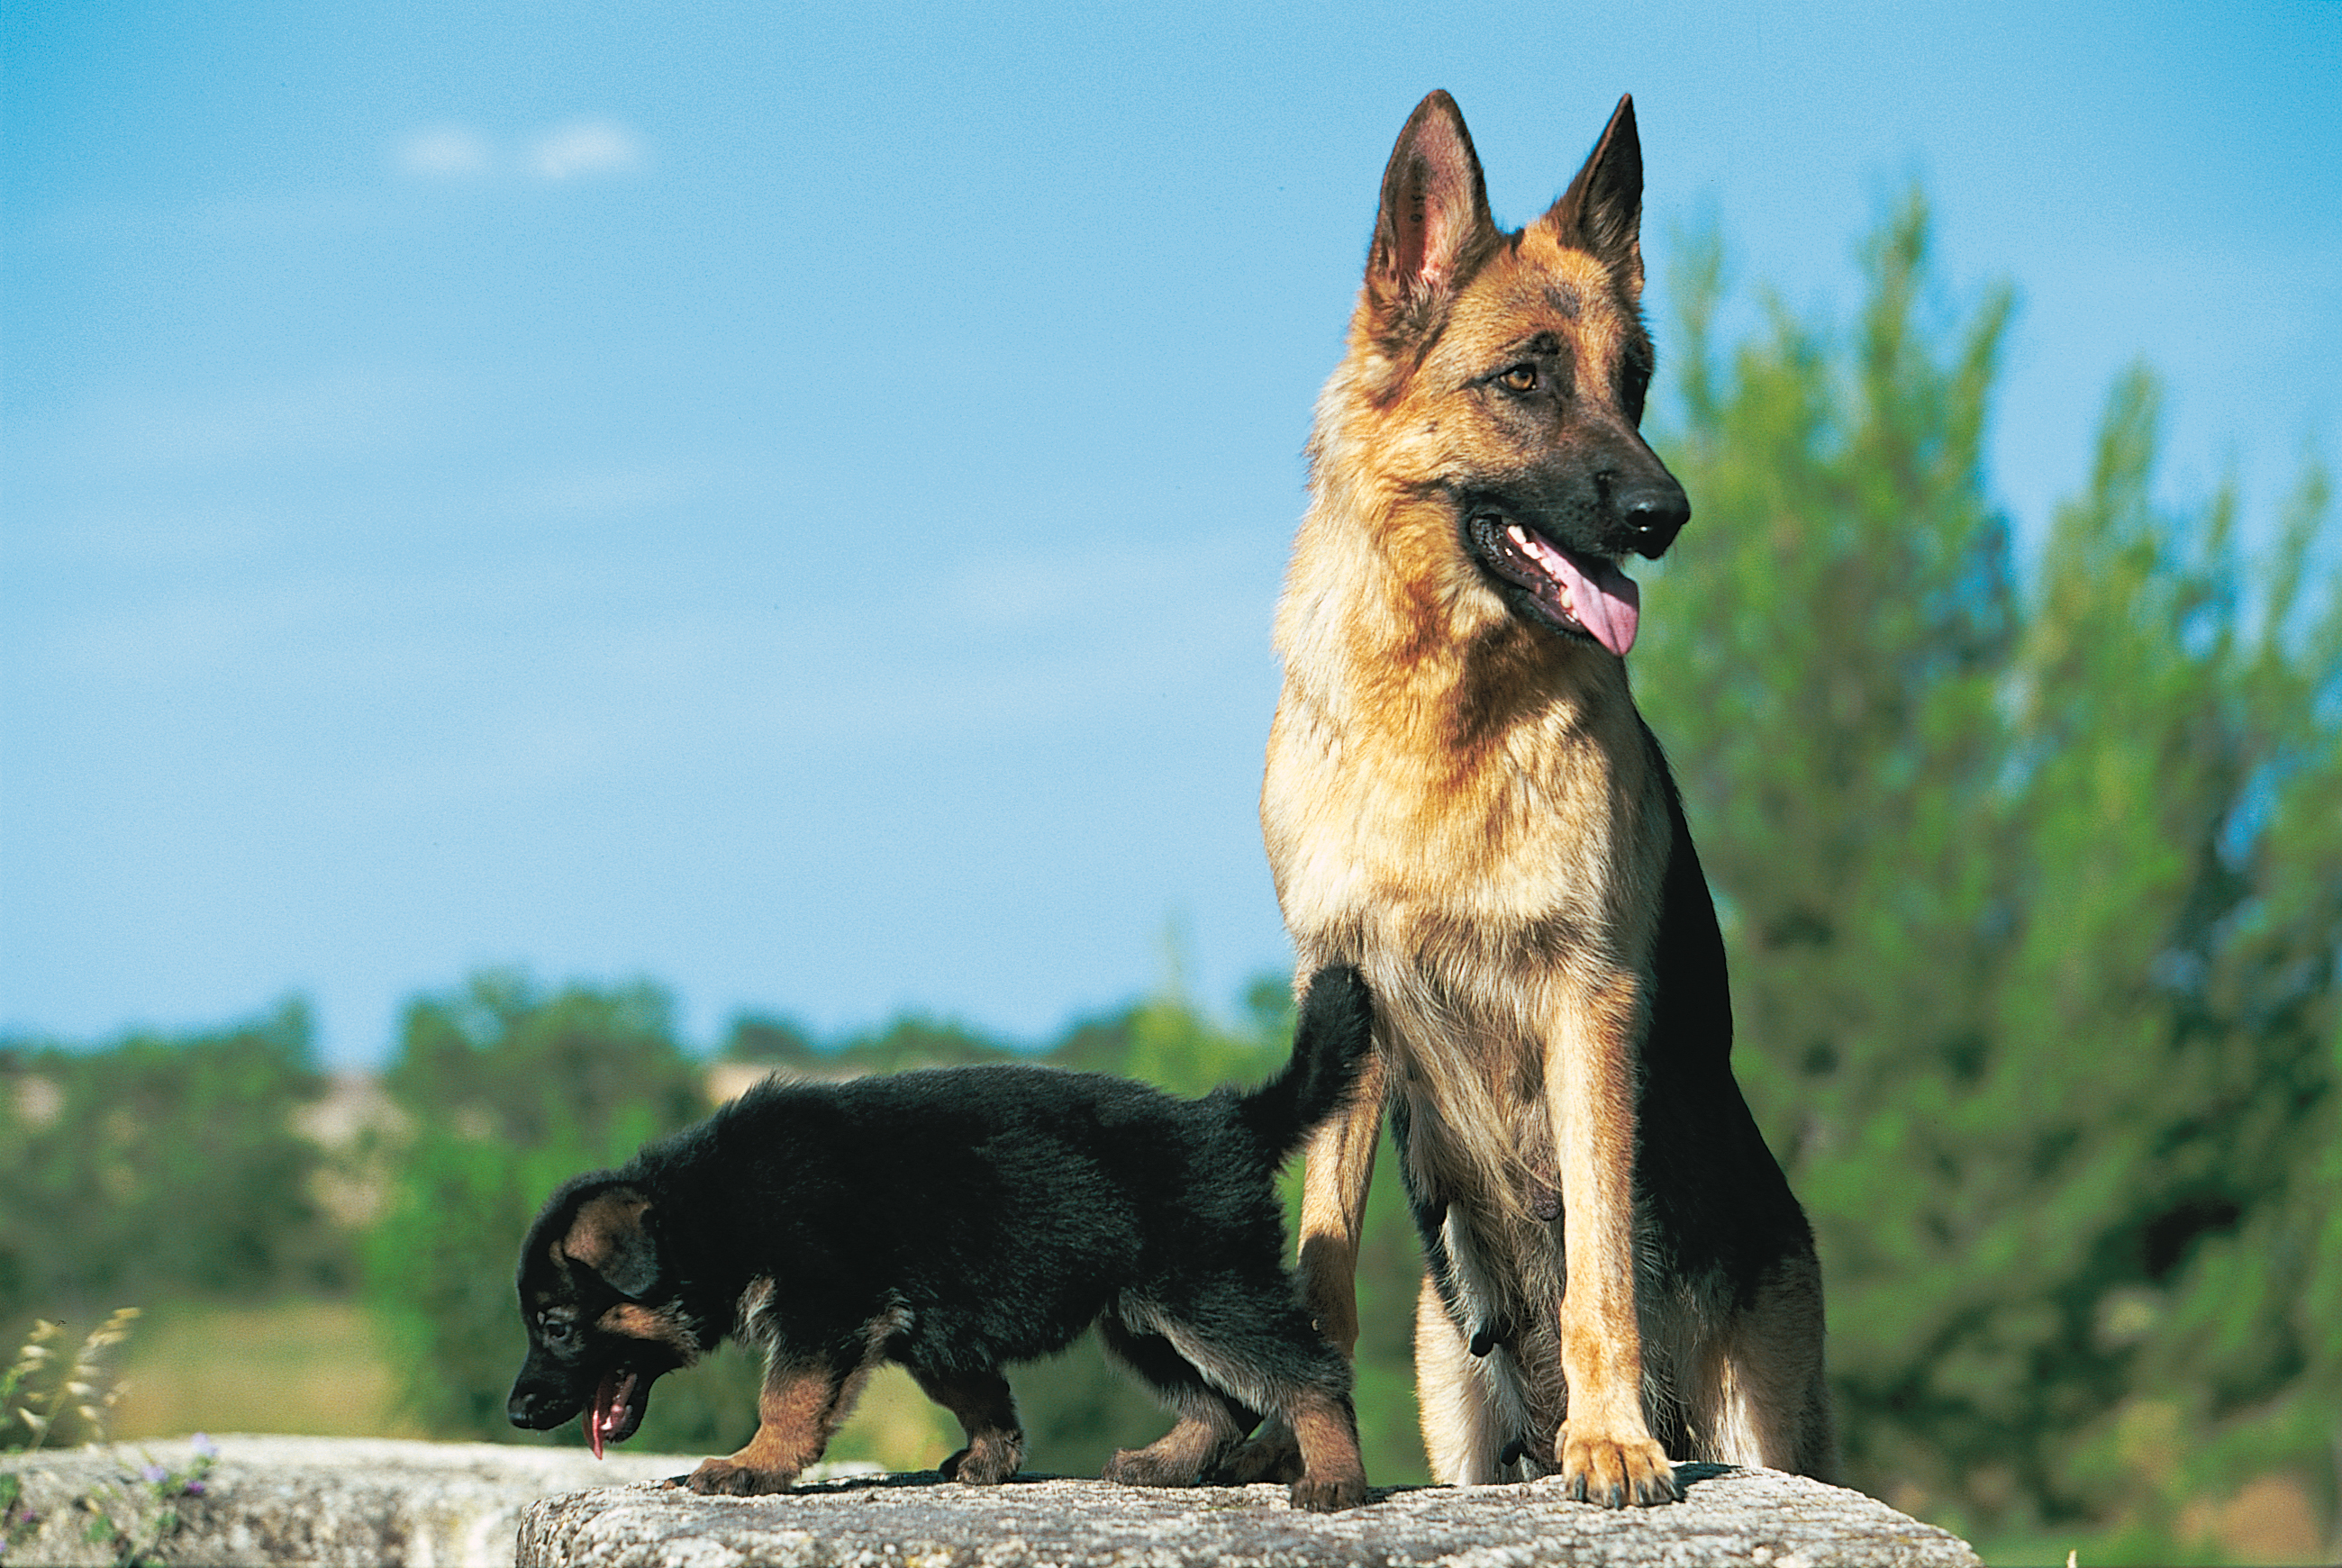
<point>1330,1044</point>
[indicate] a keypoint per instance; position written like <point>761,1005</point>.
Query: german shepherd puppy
<point>952,1220</point>
<point>1462,801</point>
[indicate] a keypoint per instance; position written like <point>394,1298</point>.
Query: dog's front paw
<point>729,1478</point>
<point>1272,1455</point>
<point>1330,1493</point>
<point>1615,1472</point>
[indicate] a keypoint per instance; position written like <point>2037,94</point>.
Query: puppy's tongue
<point>609,1408</point>
<point>1601,598</point>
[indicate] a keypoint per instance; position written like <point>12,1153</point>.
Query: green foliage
<point>2033,900</point>
<point>160,1165</point>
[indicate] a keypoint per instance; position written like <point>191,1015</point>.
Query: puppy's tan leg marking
<point>1180,1456</point>
<point>798,1409</point>
<point>1333,1476</point>
<point>1459,1434</point>
<point>1760,1396</point>
<point>1604,1451</point>
<point>987,1414</point>
<point>1333,1183</point>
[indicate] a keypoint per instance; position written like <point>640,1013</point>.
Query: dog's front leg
<point>1604,1451</point>
<point>798,1409</point>
<point>1334,1186</point>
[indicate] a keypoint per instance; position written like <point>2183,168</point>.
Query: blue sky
<point>787,501</point>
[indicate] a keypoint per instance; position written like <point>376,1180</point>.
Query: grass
<point>303,1367</point>
<point>314,1368</point>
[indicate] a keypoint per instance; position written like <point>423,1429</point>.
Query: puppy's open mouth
<point>615,1413</point>
<point>1586,595</point>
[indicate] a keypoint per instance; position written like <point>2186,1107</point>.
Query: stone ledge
<point>1729,1516</point>
<point>360,1501</point>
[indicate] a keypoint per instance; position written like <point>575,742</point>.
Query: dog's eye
<point>1520,378</point>
<point>557,1330</point>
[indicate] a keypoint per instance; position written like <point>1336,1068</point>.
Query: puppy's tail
<point>1330,1044</point>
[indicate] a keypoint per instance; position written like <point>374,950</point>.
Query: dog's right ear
<point>608,1235</point>
<point>1434,224</point>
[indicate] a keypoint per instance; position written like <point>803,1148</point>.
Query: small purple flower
<point>204,1446</point>
<point>193,1489</point>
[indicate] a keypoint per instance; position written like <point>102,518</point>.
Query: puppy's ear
<point>608,1235</point>
<point>1602,212</point>
<point>1433,227</point>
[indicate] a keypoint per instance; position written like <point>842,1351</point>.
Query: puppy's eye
<point>557,1330</point>
<point>1520,378</point>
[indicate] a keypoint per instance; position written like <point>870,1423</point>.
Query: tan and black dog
<point>954,1219</point>
<point>1462,801</point>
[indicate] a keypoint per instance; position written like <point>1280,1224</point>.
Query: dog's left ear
<point>608,1235</point>
<point>1602,212</point>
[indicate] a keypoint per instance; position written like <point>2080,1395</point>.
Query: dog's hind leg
<point>1759,1395</point>
<point>987,1414</point>
<point>1460,1427</point>
<point>1340,1169</point>
<point>1209,1424</point>
<point>1261,1352</point>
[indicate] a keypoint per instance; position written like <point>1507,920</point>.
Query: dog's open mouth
<point>1584,594</point>
<point>615,1413</point>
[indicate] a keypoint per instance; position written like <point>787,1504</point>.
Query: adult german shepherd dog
<point>1462,801</point>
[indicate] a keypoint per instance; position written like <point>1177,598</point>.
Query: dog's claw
<point>1329,1494</point>
<point>1615,1472</point>
<point>724,1478</point>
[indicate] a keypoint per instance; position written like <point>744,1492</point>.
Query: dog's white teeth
<point>1518,535</point>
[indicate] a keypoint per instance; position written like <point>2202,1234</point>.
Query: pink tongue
<point>603,1416</point>
<point>1604,600</point>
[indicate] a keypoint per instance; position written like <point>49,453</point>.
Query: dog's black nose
<point>1656,511</point>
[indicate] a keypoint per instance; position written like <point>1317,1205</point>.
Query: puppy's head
<point>600,1328</point>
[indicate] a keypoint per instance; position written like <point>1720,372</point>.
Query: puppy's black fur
<point>955,1220</point>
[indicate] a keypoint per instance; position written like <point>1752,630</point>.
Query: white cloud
<point>586,147</point>
<point>445,152</point>
<point>580,149</point>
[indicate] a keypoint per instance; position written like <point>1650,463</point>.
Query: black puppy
<point>953,1220</point>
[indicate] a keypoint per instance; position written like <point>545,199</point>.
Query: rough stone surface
<point>1729,1516</point>
<point>300,1501</point>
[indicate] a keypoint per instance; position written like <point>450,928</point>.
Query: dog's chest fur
<point>1543,829</point>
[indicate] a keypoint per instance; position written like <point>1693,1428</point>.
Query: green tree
<point>161,1166</point>
<point>2034,897</point>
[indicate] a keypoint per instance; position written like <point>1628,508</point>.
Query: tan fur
<point>604,1227</point>
<point>1464,805</point>
<point>663,1326</point>
<point>799,1408</point>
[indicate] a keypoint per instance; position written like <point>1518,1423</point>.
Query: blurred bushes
<point>2032,877</point>
<point>161,1165</point>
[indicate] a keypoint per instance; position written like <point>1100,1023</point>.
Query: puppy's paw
<point>1615,1472</point>
<point>729,1478</point>
<point>1330,1493</point>
<point>1273,1454</point>
<point>1147,1467</point>
<point>988,1461</point>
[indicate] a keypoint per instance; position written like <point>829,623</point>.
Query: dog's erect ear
<point>1434,224</point>
<point>607,1236</point>
<point>1602,211</point>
